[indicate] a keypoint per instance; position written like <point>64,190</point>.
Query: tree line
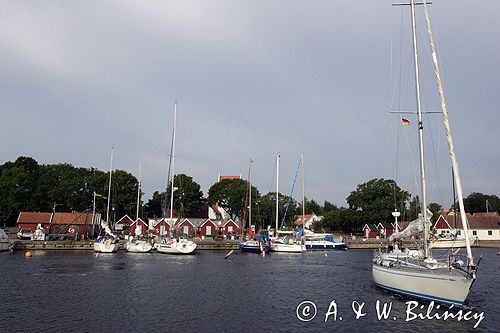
<point>26,185</point>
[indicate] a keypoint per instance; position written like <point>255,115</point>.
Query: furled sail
<point>413,228</point>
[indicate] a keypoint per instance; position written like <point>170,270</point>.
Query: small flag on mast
<point>405,121</point>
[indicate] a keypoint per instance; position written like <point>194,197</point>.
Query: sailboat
<point>259,243</point>
<point>108,243</point>
<point>180,244</point>
<point>136,244</point>
<point>418,274</point>
<point>291,242</point>
<point>5,243</point>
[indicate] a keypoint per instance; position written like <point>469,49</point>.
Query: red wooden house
<point>370,230</point>
<point>140,225</point>
<point>186,227</point>
<point>58,223</point>
<point>229,227</point>
<point>162,227</point>
<point>207,228</point>
<point>124,224</point>
<point>385,229</point>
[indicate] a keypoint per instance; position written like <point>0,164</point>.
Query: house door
<point>185,229</point>
<point>162,230</point>
<point>208,230</point>
<point>230,229</point>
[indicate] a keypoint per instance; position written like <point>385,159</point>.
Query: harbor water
<point>77,291</point>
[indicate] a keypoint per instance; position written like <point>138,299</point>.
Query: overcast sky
<point>252,78</point>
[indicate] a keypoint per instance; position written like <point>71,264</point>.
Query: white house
<point>309,220</point>
<point>482,226</point>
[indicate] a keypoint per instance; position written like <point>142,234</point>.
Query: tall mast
<point>277,189</point>
<point>246,201</point>
<point>138,192</point>
<point>250,200</point>
<point>173,170</point>
<point>109,185</point>
<point>303,194</point>
<point>454,163</point>
<point>420,130</point>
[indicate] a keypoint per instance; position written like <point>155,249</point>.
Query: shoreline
<point>20,245</point>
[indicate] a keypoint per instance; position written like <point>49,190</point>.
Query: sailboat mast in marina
<point>171,245</point>
<point>277,191</point>
<point>136,244</point>
<point>109,243</point>
<point>416,273</point>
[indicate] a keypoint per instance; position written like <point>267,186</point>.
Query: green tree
<point>18,181</point>
<point>328,207</point>
<point>230,194</point>
<point>187,194</point>
<point>154,206</point>
<point>476,203</point>
<point>376,199</point>
<point>435,209</point>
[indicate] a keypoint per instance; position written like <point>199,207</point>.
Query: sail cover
<point>413,228</point>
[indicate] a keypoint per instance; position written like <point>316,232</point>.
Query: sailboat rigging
<point>108,243</point>
<point>135,243</point>
<point>417,273</point>
<point>171,244</point>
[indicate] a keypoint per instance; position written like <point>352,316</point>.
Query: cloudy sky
<point>252,78</point>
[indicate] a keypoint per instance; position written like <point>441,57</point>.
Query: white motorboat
<point>421,275</point>
<point>288,243</point>
<point>322,241</point>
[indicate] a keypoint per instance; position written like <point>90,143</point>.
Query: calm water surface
<point>78,292</point>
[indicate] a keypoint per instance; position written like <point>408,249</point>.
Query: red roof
<point>59,218</point>
<point>476,221</point>
<point>229,177</point>
<point>298,221</point>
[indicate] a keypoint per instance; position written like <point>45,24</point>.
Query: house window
<point>474,232</point>
<point>490,233</point>
<point>230,228</point>
<point>208,230</point>
<point>185,229</point>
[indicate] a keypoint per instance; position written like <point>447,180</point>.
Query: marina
<point>79,292</point>
<point>238,166</point>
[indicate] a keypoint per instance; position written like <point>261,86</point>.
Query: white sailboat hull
<point>438,285</point>
<point>106,246</point>
<point>182,246</point>
<point>140,246</point>
<point>290,248</point>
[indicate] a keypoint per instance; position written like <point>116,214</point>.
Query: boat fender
<point>457,264</point>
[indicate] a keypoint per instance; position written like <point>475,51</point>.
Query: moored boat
<point>422,276</point>
<point>179,245</point>
<point>5,243</point>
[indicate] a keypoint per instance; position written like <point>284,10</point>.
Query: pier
<point>88,245</point>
